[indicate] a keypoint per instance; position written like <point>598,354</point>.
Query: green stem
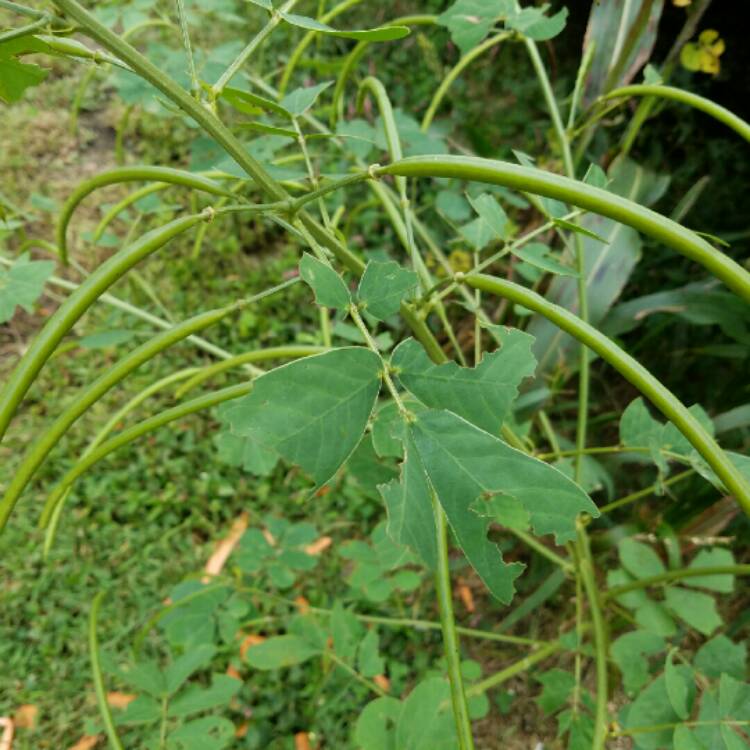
<point>633,496</point>
<point>254,43</point>
<point>136,312</point>
<point>586,571</point>
<point>96,670</point>
<point>129,174</point>
<point>450,637</point>
<point>722,114</point>
<point>307,39</point>
<point>354,673</point>
<point>677,575</point>
<point>586,196</point>
<point>257,355</point>
<point>22,31</point>
<point>455,72</point>
<point>583,305</point>
<point>195,85</point>
<point>669,405</point>
<point>51,436</point>
<point>112,423</point>
<point>76,305</point>
<point>136,431</point>
<point>542,550</point>
<point>493,681</point>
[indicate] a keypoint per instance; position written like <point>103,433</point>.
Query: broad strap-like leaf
<point>483,394</point>
<point>313,411</point>
<point>467,466</point>
<point>329,288</point>
<point>383,287</point>
<point>411,519</point>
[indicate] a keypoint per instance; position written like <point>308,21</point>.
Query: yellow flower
<point>704,54</point>
<point>681,3</point>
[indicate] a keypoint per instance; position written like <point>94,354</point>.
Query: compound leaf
<point>312,411</point>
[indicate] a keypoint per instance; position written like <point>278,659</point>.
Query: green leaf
<point>540,256</point>
<point>369,661</point>
<point>367,468</point>
<point>329,288</point>
<point>483,394</point>
<point>146,677</point>
<point>653,708</point>
<point>143,710</point>
<point>639,559</point>
<point>630,652</point>
<point>262,127</point>
<point>22,284</point>
<point>313,411</point>
<point>652,616</point>
<point>210,731</point>
<point>694,607</point>
<point>16,77</point>
<point>678,687</point>
<point>376,725</point>
<point>346,631</point>
<point>196,699</point>
<point>734,699</point>
<point>490,214</point>
<point>453,205</point>
<point>411,519</point>
<point>533,23</point>
<point>297,102</point>
<point>719,656</point>
<point>467,466</point>
<point>469,21</point>
<point>378,570</point>
<point>717,556</point>
<point>384,286</point>
<point>571,226</point>
<point>280,651</point>
<point>249,103</point>
<point>105,339</point>
<point>190,662</point>
<point>557,685</point>
<point>237,451</point>
<point>435,729</point>
<point>381,34</point>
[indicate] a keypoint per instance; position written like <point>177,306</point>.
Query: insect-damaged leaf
<point>467,466</point>
<point>483,394</point>
<point>313,411</point>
